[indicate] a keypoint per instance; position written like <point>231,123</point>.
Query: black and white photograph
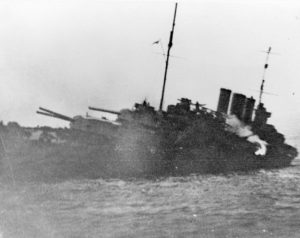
<point>149,118</point>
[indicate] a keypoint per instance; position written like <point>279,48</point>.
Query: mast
<point>264,73</point>
<point>167,60</point>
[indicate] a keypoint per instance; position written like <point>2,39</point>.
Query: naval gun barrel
<point>50,113</point>
<point>104,110</point>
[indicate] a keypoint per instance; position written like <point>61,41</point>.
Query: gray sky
<point>67,55</point>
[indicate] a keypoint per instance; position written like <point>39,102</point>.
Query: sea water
<point>256,204</point>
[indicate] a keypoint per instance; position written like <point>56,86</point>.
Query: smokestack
<point>248,112</point>
<point>224,100</point>
<point>237,105</point>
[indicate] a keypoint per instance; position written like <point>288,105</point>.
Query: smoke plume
<point>242,130</point>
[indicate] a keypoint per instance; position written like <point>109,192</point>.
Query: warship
<point>186,138</point>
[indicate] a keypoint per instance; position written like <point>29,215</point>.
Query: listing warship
<point>187,138</point>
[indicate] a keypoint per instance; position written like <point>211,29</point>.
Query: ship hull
<point>79,155</point>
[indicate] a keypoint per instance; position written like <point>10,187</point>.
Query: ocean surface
<point>256,204</point>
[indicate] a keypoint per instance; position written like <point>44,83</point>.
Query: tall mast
<point>264,73</point>
<point>167,60</point>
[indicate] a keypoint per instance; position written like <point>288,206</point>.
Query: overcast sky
<point>67,55</point>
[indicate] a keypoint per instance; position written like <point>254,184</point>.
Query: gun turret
<point>104,110</point>
<point>50,113</point>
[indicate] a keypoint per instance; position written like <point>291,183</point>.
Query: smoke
<point>242,130</point>
<point>263,144</point>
